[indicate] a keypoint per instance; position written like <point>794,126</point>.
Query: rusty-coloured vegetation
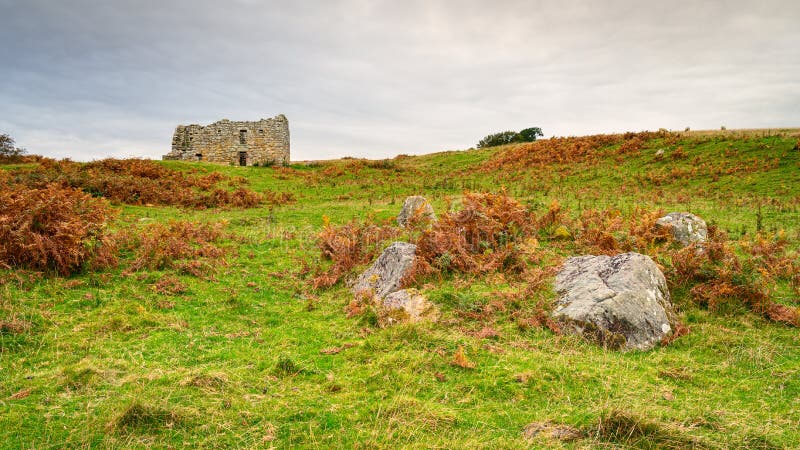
<point>53,228</point>
<point>495,234</point>
<point>144,182</point>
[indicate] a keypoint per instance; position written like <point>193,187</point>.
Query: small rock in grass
<point>415,207</point>
<point>406,306</point>
<point>686,228</point>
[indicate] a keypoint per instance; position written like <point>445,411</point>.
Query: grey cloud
<point>89,79</point>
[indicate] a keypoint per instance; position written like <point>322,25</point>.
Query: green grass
<point>236,362</point>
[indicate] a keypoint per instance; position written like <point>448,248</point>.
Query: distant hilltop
<point>260,143</point>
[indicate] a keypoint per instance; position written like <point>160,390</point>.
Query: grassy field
<point>249,355</point>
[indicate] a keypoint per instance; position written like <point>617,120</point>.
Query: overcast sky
<point>89,79</point>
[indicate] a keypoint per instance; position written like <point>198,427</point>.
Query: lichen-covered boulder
<point>686,228</point>
<point>620,302</point>
<point>405,306</point>
<point>418,206</point>
<point>383,277</point>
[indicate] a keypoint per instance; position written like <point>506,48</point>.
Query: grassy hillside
<point>247,353</point>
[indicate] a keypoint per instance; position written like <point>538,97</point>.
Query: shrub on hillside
<point>508,137</point>
<point>610,232</point>
<point>529,134</point>
<point>719,274</point>
<point>483,237</point>
<point>349,245</point>
<point>58,228</point>
<point>8,151</point>
<point>279,198</point>
<point>502,138</point>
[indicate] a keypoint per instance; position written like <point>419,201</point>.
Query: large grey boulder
<point>413,206</point>
<point>405,306</point>
<point>383,277</point>
<point>620,302</point>
<point>686,228</point>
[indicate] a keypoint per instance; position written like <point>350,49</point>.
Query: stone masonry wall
<point>263,142</point>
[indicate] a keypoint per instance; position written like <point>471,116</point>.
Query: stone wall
<point>238,143</point>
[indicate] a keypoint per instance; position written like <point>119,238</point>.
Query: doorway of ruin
<point>242,158</point>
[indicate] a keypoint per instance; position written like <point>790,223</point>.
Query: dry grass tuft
<point>680,330</point>
<point>19,395</point>
<point>142,417</point>
<point>76,379</point>
<point>487,333</point>
<point>213,382</point>
<point>14,325</point>
<point>170,285</point>
<point>460,359</point>
<point>627,429</point>
<point>286,366</point>
<point>548,430</point>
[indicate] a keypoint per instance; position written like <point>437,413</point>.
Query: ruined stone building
<point>264,142</point>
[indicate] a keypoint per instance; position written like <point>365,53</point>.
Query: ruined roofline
<point>278,118</point>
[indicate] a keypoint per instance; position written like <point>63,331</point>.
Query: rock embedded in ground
<point>620,302</point>
<point>415,206</point>
<point>405,306</point>
<point>686,228</point>
<point>384,275</point>
<point>549,430</point>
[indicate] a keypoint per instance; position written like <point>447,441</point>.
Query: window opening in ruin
<point>242,136</point>
<point>242,158</point>
<point>199,156</point>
